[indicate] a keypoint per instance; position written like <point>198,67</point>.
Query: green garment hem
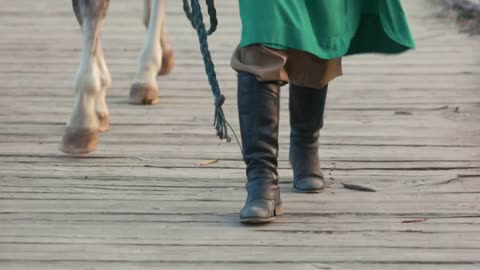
<point>371,37</point>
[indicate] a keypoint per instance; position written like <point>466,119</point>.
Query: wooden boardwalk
<point>407,126</point>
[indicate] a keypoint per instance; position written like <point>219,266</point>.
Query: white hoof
<point>79,141</point>
<point>143,94</point>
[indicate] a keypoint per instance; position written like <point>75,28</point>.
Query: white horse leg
<point>167,55</point>
<point>144,90</point>
<point>81,133</point>
<point>101,108</point>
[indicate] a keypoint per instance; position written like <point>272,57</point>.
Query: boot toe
<point>256,213</point>
<point>309,185</point>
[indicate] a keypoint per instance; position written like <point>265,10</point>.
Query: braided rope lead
<point>194,14</point>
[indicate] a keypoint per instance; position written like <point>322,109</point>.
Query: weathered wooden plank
<point>314,238</point>
<point>105,252</point>
<point>226,193</point>
<point>62,265</point>
<point>189,139</point>
<point>231,208</point>
<point>132,162</point>
<point>230,151</point>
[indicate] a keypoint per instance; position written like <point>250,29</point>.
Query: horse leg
<point>168,58</point>
<point>167,55</point>
<point>101,108</point>
<point>105,78</point>
<point>81,133</point>
<point>144,90</point>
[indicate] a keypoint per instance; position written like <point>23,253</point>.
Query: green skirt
<point>326,28</point>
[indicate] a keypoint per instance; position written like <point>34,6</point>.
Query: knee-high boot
<point>258,108</point>
<point>307,106</point>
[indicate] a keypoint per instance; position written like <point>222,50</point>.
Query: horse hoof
<point>104,121</point>
<point>143,94</point>
<point>167,63</point>
<point>79,141</point>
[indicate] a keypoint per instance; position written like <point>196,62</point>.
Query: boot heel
<point>278,210</point>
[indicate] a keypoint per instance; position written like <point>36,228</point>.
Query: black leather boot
<point>258,110</point>
<point>307,106</point>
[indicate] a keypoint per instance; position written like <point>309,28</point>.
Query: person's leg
<point>260,74</point>
<point>266,64</point>
<point>309,77</point>
<point>307,106</point>
<point>258,109</point>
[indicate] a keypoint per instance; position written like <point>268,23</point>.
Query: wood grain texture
<point>406,126</point>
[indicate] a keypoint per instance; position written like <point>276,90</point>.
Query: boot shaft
<point>307,109</point>
<point>258,109</point>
